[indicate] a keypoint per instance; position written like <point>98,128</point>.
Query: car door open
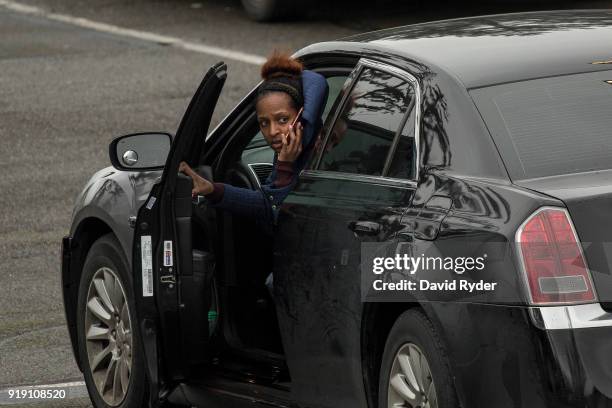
<point>172,281</point>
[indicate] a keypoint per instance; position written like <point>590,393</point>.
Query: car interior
<point>245,336</point>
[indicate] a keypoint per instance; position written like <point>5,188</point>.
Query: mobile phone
<point>297,117</point>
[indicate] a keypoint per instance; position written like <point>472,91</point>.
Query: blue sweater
<point>264,204</point>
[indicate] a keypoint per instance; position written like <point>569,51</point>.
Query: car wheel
<point>108,336</point>
<point>269,10</point>
<point>414,371</point>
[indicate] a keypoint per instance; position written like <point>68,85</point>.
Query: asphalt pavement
<point>76,73</point>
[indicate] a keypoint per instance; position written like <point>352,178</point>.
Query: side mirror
<point>140,151</point>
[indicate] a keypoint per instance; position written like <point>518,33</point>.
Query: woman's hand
<point>201,186</point>
<point>292,144</point>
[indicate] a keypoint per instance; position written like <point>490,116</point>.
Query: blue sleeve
<point>316,91</point>
<point>244,202</point>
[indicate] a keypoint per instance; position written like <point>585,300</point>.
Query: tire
<point>105,310</point>
<point>411,341</point>
<point>271,10</point>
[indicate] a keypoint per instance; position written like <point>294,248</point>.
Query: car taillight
<point>552,259</point>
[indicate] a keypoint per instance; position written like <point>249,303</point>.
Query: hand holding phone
<point>292,143</point>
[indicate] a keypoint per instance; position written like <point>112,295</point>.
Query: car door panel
<point>332,214</point>
<point>318,286</point>
<point>172,291</point>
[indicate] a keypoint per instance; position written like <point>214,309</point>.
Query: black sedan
<point>448,243</point>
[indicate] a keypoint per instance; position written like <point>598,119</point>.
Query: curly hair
<point>282,73</point>
<point>281,64</point>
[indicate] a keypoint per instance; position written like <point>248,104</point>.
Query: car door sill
<point>219,391</point>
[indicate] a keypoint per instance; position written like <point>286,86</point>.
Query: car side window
<point>363,133</point>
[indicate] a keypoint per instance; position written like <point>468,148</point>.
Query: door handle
<point>365,227</point>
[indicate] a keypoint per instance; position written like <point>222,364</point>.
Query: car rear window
<point>551,126</point>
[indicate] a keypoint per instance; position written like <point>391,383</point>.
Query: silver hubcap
<point>410,382</point>
<point>108,330</point>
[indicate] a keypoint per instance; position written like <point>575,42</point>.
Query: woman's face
<point>275,113</point>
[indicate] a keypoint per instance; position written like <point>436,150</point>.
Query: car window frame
<point>363,63</point>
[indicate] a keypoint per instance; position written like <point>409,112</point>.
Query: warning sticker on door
<point>146,254</point>
<point>151,203</point>
<point>167,253</point>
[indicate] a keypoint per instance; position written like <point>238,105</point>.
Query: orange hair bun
<point>281,64</point>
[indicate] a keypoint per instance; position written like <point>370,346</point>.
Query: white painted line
<point>38,386</point>
<point>141,35</point>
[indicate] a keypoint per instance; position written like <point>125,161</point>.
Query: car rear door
<point>355,195</point>
<point>172,282</point>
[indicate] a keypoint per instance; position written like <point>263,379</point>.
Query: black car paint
<point>324,313</point>
<point>105,204</point>
<point>524,365</point>
<point>487,50</point>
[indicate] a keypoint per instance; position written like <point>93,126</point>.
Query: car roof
<point>487,50</point>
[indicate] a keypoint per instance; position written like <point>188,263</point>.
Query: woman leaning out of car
<point>289,105</point>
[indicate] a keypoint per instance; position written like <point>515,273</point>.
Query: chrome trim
<point>364,62</point>
<point>250,166</point>
<point>570,317</point>
<point>361,178</point>
<point>519,253</point>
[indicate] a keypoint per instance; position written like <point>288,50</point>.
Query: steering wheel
<point>251,175</point>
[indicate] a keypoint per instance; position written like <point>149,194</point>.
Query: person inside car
<point>289,105</point>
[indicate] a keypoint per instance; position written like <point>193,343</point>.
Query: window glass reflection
<point>363,134</point>
<point>403,164</point>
